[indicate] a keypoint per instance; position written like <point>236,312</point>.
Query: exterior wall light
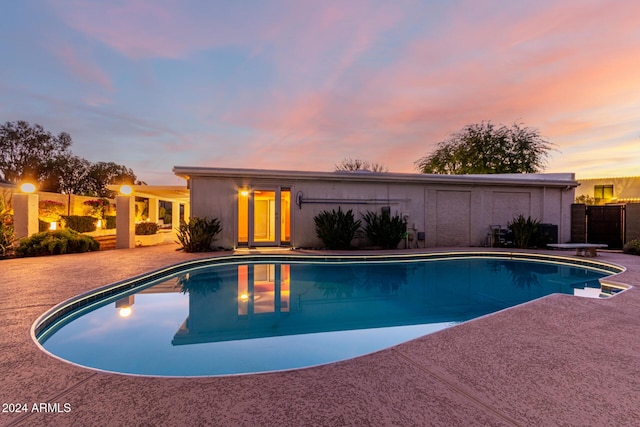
<point>28,187</point>
<point>126,190</point>
<point>53,226</point>
<point>244,193</point>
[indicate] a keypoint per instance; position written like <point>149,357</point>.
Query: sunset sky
<point>304,84</point>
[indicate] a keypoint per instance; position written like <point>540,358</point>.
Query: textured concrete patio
<point>561,360</point>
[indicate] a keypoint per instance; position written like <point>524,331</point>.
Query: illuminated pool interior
<point>236,316</point>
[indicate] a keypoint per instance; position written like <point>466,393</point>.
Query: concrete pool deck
<point>560,360</point>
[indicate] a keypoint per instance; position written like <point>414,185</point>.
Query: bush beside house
<point>198,234</point>
<point>336,229</point>
<point>632,247</point>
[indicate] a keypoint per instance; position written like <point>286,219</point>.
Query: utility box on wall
<point>547,233</point>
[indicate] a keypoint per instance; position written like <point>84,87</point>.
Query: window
<point>603,192</point>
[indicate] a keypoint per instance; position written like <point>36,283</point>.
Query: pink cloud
<point>164,29</point>
<point>559,67</point>
<point>137,28</point>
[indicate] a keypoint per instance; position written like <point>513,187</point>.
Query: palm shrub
<point>524,231</point>
<point>384,230</point>
<point>198,234</point>
<point>336,229</point>
<point>56,242</point>
<point>632,247</point>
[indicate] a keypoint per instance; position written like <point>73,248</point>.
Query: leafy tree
<point>484,148</point>
<point>70,175</point>
<point>102,174</point>
<point>29,152</point>
<point>350,165</point>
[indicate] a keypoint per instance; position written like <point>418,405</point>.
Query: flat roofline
<point>549,180</point>
<point>610,178</point>
<point>178,193</point>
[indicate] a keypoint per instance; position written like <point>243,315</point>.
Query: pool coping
<point>516,367</point>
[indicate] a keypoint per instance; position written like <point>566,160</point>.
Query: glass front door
<point>264,217</point>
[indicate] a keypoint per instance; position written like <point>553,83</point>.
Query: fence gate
<point>605,225</point>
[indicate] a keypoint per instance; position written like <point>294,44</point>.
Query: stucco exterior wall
<point>216,198</point>
<point>404,200</point>
<point>450,214</point>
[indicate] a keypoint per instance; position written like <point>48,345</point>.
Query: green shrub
<point>110,222</point>
<point>198,234</point>
<point>146,228</point>
<point>81,224</point>
<point>384,230</point>
<point>55,243</point>
<point>336,228</point>
<point>7,236</point>
<point>524,231</point>
<point>632,247</point>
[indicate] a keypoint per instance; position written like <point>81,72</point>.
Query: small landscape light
<point>53,226</point>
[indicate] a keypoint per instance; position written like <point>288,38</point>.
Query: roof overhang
<point>173,193</point>
<point>537,180</point>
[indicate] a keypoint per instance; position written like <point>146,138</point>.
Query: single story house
<point>277,207</point>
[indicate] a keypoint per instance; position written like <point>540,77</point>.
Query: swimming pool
<point>255,314</point>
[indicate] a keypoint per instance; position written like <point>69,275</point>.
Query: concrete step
<point>106,242</point>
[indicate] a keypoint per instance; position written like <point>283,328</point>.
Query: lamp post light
<point>25,211</point>
<point>125,218</point>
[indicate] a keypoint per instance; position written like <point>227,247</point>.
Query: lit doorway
<point>264,217</point>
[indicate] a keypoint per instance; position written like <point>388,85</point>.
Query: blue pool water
<point>256,317</point>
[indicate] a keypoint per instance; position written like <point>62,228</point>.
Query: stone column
<point>187,212</point>
<point>25,214</point>
<point>175,215</point>
<point>125,222</point>
<point>154,209</point>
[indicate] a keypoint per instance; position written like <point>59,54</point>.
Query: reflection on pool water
<point>256,317</point>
